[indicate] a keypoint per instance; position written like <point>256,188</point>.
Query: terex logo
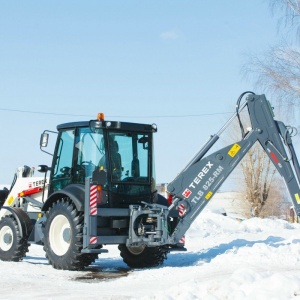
<point>186,193</point>
<point>201,175</point>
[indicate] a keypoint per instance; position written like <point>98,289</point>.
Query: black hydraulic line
<point>238,111</point>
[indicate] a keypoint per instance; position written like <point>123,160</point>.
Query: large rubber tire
<point>63,239</point>
<point>143,257</point>
<point>13,246</point>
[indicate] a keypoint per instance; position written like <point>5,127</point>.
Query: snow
<point>226,259</point>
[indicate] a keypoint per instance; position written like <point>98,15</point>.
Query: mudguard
<point>23,220</point>
<point>76,192</point>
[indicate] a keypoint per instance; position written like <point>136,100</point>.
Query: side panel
<point>24,184</point>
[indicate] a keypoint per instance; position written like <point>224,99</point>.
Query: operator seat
<point>116,160</point>
<point>135,167</point>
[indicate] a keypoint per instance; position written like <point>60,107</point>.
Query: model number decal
<point>212,179</point>
<point>206,186</point>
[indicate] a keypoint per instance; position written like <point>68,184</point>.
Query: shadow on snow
<point>186,259</point>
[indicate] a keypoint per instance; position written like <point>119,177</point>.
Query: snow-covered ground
<point>226,259</point>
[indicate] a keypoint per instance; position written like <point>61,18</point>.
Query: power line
<point>114,116</point>
<point>42,112</point>
<point>175,116</point>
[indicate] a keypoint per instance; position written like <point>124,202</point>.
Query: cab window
<point>63,165</point>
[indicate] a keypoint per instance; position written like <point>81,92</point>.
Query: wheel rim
<point>6,238</point>
<point>59,235</point>
<point>136,250</point>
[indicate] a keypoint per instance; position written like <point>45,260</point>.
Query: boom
<point>202,177</point>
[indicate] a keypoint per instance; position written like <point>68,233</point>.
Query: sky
<point>252,259</point>
<point>177,64</point>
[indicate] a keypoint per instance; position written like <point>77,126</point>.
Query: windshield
<point>89,149</point>
<point>129,156</point>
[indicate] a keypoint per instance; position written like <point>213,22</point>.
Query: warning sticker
<point>208,195</point>
<point>297,198</point>
<point>10,200</point>
<point>234,150</point>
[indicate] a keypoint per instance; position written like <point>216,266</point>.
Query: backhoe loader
<point>101,190</point>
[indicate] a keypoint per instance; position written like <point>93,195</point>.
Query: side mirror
<point>43,168</point>
<point>44,139</point>
<point>144,140</point>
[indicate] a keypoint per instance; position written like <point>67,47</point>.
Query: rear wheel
<point>142,256</point>
<point>13,246</point>
<point>63,238</point>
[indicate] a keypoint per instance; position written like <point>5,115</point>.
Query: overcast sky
<point>173,63</point>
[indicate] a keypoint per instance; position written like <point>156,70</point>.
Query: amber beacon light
<point>100,117</point>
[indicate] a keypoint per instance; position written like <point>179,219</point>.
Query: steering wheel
<point>87,163</point>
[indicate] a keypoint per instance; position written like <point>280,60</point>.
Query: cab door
<point>62,164</point>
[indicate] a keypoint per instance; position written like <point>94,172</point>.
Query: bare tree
<point>278,203</point>
<point>277,71</point>
<point>256,175</point>
<point>289,11</point>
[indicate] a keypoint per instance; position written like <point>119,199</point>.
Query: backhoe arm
<point>203,176</point>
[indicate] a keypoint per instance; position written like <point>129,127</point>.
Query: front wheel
<point>63,240</point>
<point>142,256</point>
<point>13,246</point>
